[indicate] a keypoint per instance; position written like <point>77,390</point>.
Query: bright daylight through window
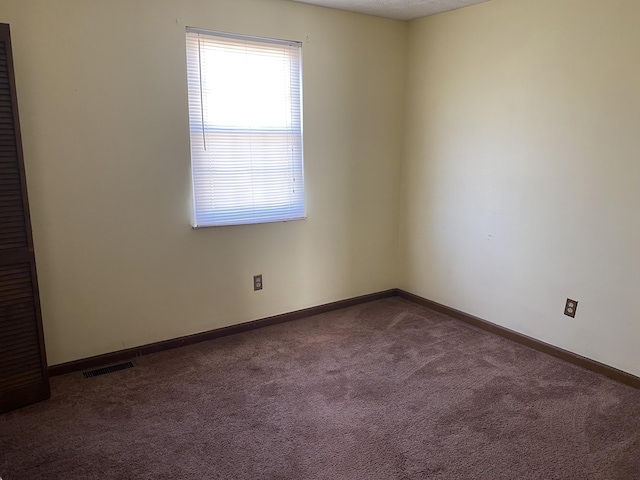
<point>245,116</point>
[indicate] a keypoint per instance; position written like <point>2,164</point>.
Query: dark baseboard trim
<point>129,353</point>
<point>565,355</point>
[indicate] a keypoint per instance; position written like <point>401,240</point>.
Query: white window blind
<point>245,115</point>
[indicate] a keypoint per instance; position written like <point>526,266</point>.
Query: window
<point>245,117</point>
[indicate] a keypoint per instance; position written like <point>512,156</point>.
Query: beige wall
<point>103,104</point>
<point>521,178</point>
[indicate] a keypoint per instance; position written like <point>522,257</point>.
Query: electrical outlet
<point>570,308</point>
<point>257,282</point>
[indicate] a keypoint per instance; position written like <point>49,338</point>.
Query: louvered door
<point>23,366</point>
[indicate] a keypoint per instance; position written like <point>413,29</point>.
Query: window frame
<point>260,211</point>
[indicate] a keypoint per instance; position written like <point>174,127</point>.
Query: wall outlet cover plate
<point>570,308</point>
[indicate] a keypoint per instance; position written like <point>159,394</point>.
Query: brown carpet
<point>384,390</point>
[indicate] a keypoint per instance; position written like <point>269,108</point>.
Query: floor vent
<point>109,369</point>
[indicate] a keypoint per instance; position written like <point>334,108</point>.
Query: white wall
<point>521,180</point>
<point>103,104</point>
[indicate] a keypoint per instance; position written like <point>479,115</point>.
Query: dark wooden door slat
<point>15,269</point>
<point>9,335</point>
<point>21,360</point>
<point>27,323</point>
<point>19,357</point>
<point>9,313</point>
<point>17,317</point>
<point>8,291</point>
<point>7,211</point>
<point>12,366</point>
<point>13,279</point>
<point>14,313</point>
<point>18,322</point>
<point>32,363</point>
<point>12,245</point>
<point>8,281</point>
<point>18,325</point>
<point>19,353</point>
<point>10,363</point>
<point>19,381</point>
<point>19,297</point>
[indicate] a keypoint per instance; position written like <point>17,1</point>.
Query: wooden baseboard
<point>557,352</point>
<point>129,353</point>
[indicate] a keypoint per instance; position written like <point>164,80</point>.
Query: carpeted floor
<point>384,390</point>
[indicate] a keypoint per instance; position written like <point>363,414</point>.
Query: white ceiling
<point>398,9</point>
